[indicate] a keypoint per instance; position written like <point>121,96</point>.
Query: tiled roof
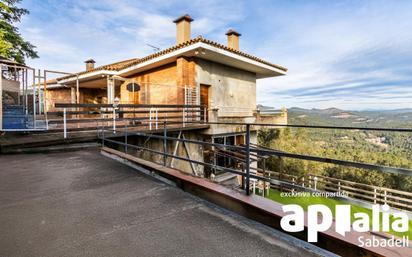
<point>128,63</point>
<point>112,66</point>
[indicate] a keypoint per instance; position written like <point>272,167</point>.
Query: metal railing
<point>92,116</point>
<point>251,151</point>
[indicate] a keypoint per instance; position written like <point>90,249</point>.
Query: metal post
<point>263,173</point>
<point>18,96</point>
<point>39,90</point>
<point>25,85</point>
<point>64,123</point>
<point>125,139</point>
<point>164,143</point>
<point>34,97</point>
<point>45,99</point>
<point>247,159</point>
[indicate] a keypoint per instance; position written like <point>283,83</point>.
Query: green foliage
<point>12,45</point>
<point>343,145</point>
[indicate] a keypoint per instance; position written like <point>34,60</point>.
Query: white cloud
<point>322,43</point>
<point>329,45</point>
<point>67,32</point>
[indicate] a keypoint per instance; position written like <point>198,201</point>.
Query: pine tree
<point>12,45</point>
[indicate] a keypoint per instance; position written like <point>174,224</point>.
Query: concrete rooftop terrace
<point>84,204</point>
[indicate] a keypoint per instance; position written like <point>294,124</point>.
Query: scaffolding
<point>23,97</point>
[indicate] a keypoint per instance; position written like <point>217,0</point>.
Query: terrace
<point>247,163</point>
<point>81,203</point>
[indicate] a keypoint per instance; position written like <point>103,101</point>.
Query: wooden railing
<point>371,194</point>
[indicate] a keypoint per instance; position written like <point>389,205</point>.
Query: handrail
<point>364,185</point>
<point>91,112</point>
<point>309,182</point>
<point>124,114</point>
<point>272,152</point>
<point>70,105</point>
<point>306,126</point>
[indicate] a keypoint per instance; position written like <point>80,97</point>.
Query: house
<point>222,76</point>
<point>195,71</point>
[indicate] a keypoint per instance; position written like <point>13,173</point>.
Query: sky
<point>354,55</point>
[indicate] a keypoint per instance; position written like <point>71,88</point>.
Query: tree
<point>12,45</point>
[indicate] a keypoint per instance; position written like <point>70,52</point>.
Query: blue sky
<point>346,54</point>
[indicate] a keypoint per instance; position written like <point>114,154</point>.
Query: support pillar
<point>110,90</point>
<point>45,93</point>
<point>34,96</point>
<point>77,90</point>
<point>72,95</point>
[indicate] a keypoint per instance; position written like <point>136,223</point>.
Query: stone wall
<point>64,95</point>
<point>57,95</point>
<point>93,96</point>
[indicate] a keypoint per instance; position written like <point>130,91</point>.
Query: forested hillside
<point>375,147</point>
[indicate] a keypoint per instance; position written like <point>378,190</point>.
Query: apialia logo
<point>319,219</point>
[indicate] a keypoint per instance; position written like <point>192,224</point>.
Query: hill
<point>374,147</point>
<point>337,117</point>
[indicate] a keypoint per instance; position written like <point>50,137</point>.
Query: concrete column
<point>77,90</point>
<point>110,91</point>
<point>72,95</point>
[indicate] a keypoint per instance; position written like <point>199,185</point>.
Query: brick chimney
<point>89,64</point>
<point>183,28</point>
<point>233,39</point>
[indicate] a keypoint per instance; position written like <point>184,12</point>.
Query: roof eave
<point>162,59</point>
<point>86,76</point>
<point>212,53</point>
<point>262,70</point>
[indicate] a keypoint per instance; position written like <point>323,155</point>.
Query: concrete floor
<point>83,204</point>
